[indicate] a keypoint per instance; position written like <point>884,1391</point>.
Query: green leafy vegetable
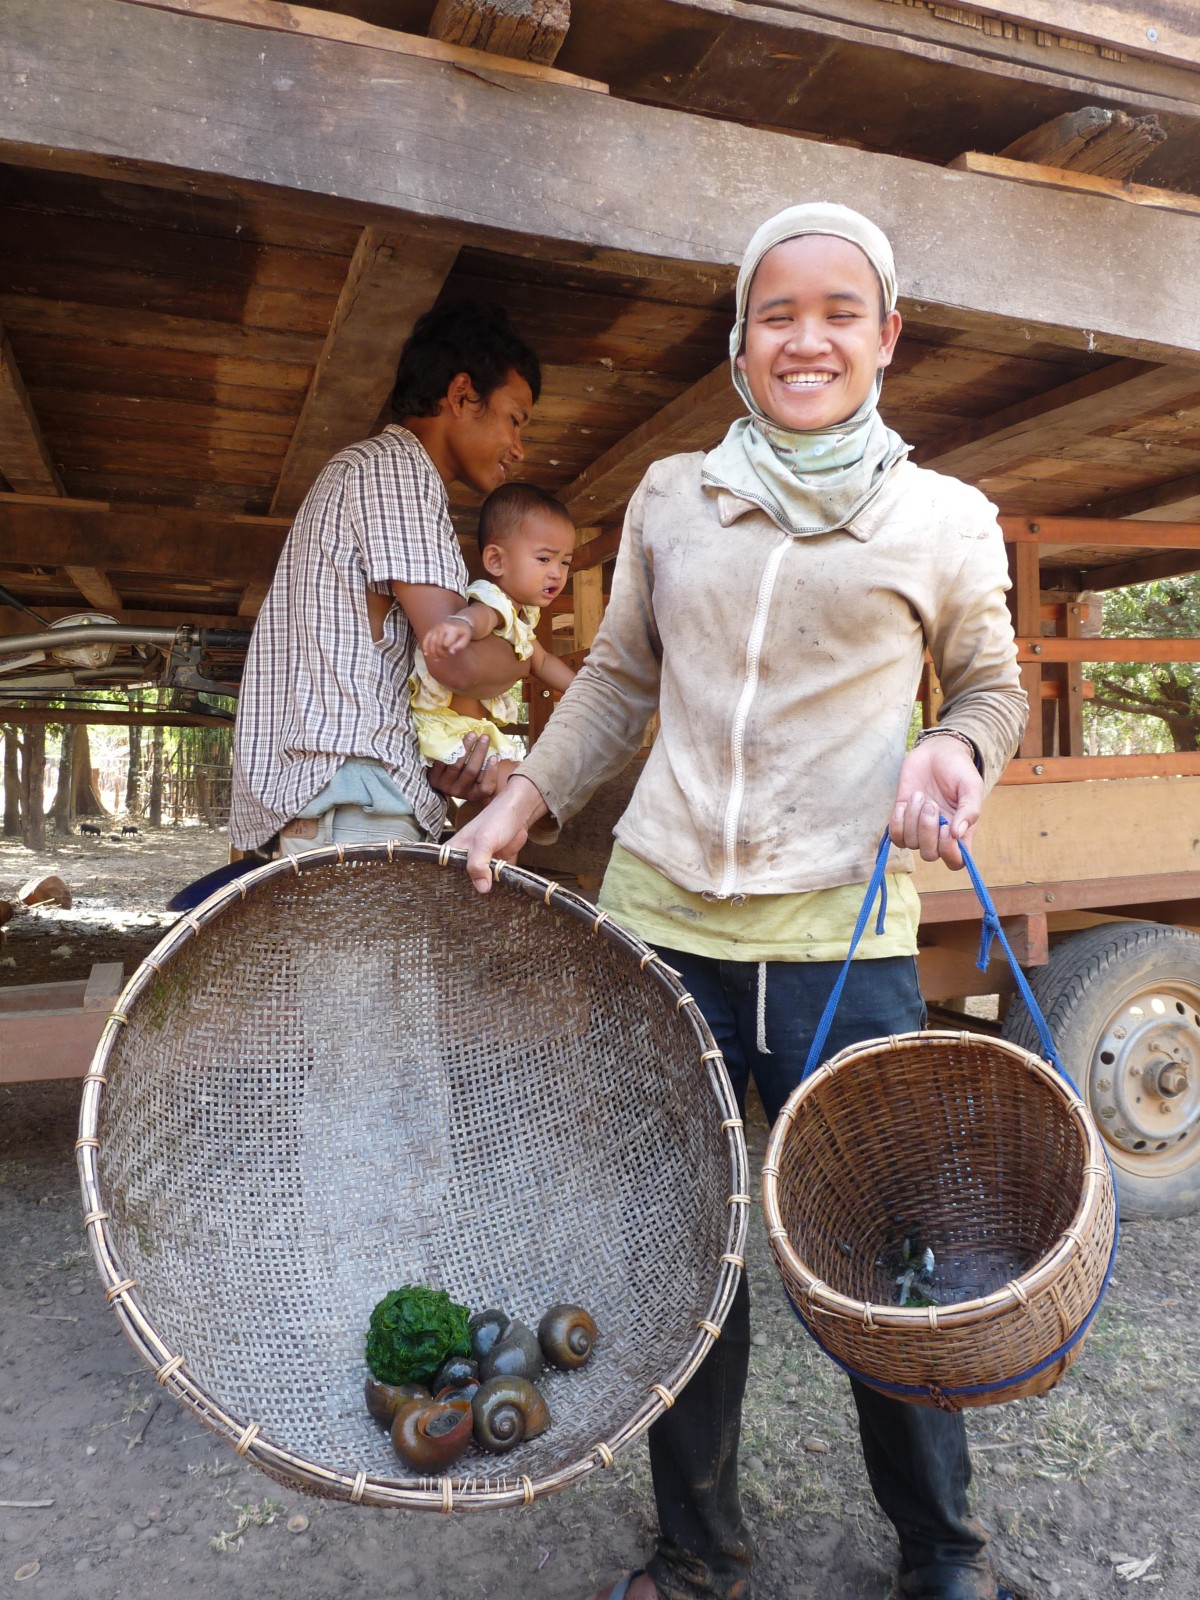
<point>412,1332</point>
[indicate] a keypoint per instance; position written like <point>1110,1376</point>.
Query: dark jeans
<point>916,1457</point>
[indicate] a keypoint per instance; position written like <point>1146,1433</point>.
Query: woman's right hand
<point>499,831</point>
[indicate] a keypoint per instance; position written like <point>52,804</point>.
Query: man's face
<point>532,566</point>
<point>814,339</point>
<point>486,435</point>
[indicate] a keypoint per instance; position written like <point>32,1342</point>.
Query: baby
<point>526,538</point>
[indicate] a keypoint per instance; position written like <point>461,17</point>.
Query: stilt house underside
<point>220,218</point>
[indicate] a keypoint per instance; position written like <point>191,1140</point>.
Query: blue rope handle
<point>990,931</point>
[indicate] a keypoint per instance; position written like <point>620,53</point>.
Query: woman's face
<point>814,338</point>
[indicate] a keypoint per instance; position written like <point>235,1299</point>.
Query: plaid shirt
<point>317,688</point>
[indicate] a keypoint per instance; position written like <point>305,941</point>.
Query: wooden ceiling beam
<point>694,420</point>
<point>24,458</point>
<point>172,543</point>
<point>1095,139</point>
<point>95,588</point>
<point>397,139</point>
<point>1117,393</point>
<point>390,281</point>
<point>1177,501</point>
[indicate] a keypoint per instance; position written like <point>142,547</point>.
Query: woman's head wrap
<point>816,481</point>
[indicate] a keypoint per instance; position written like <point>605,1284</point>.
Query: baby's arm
<point>550,670</point>
<point>454,633</point>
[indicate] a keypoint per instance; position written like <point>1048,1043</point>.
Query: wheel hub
<point>1144,1078</point>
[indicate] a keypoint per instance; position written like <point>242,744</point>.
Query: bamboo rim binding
<point>182,960</point>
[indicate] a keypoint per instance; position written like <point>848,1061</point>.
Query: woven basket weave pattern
<point>967,1145</point>
<point>361,1076</point>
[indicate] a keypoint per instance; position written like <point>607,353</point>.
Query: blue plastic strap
<point>874,888</point>
<point>991,931</point>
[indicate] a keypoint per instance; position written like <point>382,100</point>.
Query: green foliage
<point>1141,706</point>
<point>413,1330</point>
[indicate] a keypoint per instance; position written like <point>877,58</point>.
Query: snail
<point>517,1355</point>
<point>384,1399</point>
<point>485,1327</point>
<point>430,1434</point>
<point>566,1335</point>
<point>455,1370</point>
<point>508,1410</point>
<point>458,1391</point>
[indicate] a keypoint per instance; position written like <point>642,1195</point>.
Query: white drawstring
<point>761,1040</point>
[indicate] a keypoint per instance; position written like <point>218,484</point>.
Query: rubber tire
<point>1087,977</point>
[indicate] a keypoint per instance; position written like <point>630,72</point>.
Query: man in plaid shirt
<point>324,750</point>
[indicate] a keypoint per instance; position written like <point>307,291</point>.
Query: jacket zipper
<point>737,787</point>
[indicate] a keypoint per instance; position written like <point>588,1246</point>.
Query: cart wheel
<point>1122,1003</point>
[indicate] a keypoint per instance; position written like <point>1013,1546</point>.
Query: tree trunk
<point>33,773</point>
<point>12,786</point>
<point>85,801</point>
<point>133,782</point>
<point>156,779</point>
<point>61,810</point>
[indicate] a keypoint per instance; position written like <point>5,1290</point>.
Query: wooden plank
<point>1083,769</point>
<point>1118,574</point>
<point>391,280</point>
<point>1095,139</point>
<point>252,599</point>
<point>532,30</point>
<point>1161,502</point>
<point>1137,194</point>
<point>1068,531</point>
<point>24,459</point>
<point>1123,391</point>
<point>340,124</point>
<point>239,550</point>
<point>593,552</point>
<point>695,420</point>
<point>100,717</point>
<point>1043,833</point>
<point>95,588</point>
<point>1046,650</point>
<point>48,1044</point>
<point>103,986</point>
<point>277,17</point>
<point>1171,31</point>
<point>1024,601</point>
<point>587,593</point>
<point>1058,896</point>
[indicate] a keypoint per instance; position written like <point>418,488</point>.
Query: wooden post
<point>33,770</point>
<point>1025,603</point>
<point>587,595</point>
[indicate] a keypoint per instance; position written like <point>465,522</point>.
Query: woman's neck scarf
<point>821,479</point>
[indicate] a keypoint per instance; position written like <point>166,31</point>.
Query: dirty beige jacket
<point>785,671</point>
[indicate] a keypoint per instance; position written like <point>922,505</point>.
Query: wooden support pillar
<point>1024,602</point>
<point>587,594</point>
<point>537,696</point>
<point>1070,708</point>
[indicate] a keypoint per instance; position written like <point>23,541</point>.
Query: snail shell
<point>429,1434</point>
<point>458,1391</point>
<point>485,1327</point>
<point>507,1411</point>
<point>566,1334</point>
<point>454,1370</point>
<point>517,1355</point>
<point>384,1399</point>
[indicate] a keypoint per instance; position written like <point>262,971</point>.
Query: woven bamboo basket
<point>348,1072</point>
<point>971,1147</point>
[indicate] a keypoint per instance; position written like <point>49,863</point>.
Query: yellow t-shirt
<point>763,927</point>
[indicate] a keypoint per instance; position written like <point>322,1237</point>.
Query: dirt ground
<point>108,1489</point>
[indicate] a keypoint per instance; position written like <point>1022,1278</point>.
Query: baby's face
<point>532,567</point>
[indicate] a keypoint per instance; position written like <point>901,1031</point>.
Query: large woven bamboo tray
<point>975,1148</point>
<point>349,1072</point>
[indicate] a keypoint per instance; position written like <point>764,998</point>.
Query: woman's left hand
<point>938,779</point>
<point>474,778</point>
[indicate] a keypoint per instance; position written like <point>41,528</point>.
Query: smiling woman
<point>773,601</point>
